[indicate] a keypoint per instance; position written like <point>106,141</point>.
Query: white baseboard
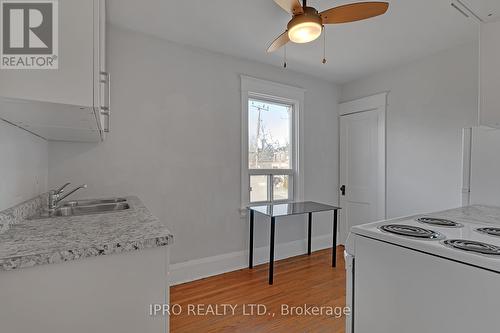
<point>201,268</point>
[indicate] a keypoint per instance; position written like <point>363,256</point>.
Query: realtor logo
<point>29,34</point>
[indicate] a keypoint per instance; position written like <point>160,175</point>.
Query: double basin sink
<point>86,207</point>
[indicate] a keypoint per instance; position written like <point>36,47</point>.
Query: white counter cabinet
<point>109,293</point>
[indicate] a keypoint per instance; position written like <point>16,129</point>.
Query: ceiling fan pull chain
<point>284,57</point>
<point>324,45</point>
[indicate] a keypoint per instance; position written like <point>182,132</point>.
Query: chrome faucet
<point>55,195</point>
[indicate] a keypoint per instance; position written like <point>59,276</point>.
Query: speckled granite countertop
<point>26,243</point>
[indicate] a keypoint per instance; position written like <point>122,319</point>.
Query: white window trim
<point>256,88</point>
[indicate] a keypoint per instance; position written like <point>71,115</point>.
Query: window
<point>270,153</point>
<point>271,166</point>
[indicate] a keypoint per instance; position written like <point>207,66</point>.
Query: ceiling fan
<point>307,23</point>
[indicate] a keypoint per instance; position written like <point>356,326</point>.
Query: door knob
<point>342,190</point>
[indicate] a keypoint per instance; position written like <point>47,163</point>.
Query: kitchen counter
<point>26,243</point>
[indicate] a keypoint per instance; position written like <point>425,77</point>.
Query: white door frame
<point>377,103</point>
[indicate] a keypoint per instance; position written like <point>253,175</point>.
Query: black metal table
<point>279,210</point>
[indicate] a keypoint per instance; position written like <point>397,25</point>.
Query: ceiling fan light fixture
<point>305,32</point>
<point>307,23</point>
<point>306,27</point>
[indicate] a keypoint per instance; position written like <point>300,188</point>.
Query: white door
<point>362,163</point>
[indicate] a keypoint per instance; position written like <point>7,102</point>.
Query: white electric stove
<point>432,273</point>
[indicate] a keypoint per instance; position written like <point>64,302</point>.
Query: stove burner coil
<point>489,231</point>
<point>439,222</point>
<point>411,231</point>
<point>473,246</point>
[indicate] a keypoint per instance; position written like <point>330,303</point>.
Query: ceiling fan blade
<point>278,42</point>
<point>291,6</point>
<point>354,12</point>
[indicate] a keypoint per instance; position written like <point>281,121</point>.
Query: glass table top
<point>293,208</point>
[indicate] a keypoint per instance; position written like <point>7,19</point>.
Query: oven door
<point>399,290</point>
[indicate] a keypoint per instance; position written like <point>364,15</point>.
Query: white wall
<point>175,142</point>
<point>430,101</point>
<point>23,165</point>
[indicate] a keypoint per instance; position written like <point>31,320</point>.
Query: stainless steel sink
<point>85,210</point>
<point>79,210</point>
<point>92,202</point>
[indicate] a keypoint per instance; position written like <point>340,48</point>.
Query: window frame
<point>267,91</point>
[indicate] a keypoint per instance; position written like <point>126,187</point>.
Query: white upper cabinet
<point>70,103</point>
<point>489,108</point>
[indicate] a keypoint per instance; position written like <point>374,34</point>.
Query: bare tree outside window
<point>269,148</point>
<point>269,135</point>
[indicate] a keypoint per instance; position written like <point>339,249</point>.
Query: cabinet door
<point>489,113</point>
<point>72,83</point>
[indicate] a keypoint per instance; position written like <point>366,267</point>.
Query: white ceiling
<point>244,28</point>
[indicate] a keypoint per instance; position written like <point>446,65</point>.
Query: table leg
<point>309,228</point>
<point>334,245</point>
<point>250,255</point>
<point>271,253</point>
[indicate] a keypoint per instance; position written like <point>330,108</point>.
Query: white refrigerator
<point>481,166</point>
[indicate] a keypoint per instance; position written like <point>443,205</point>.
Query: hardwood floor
<point>298,281</point>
